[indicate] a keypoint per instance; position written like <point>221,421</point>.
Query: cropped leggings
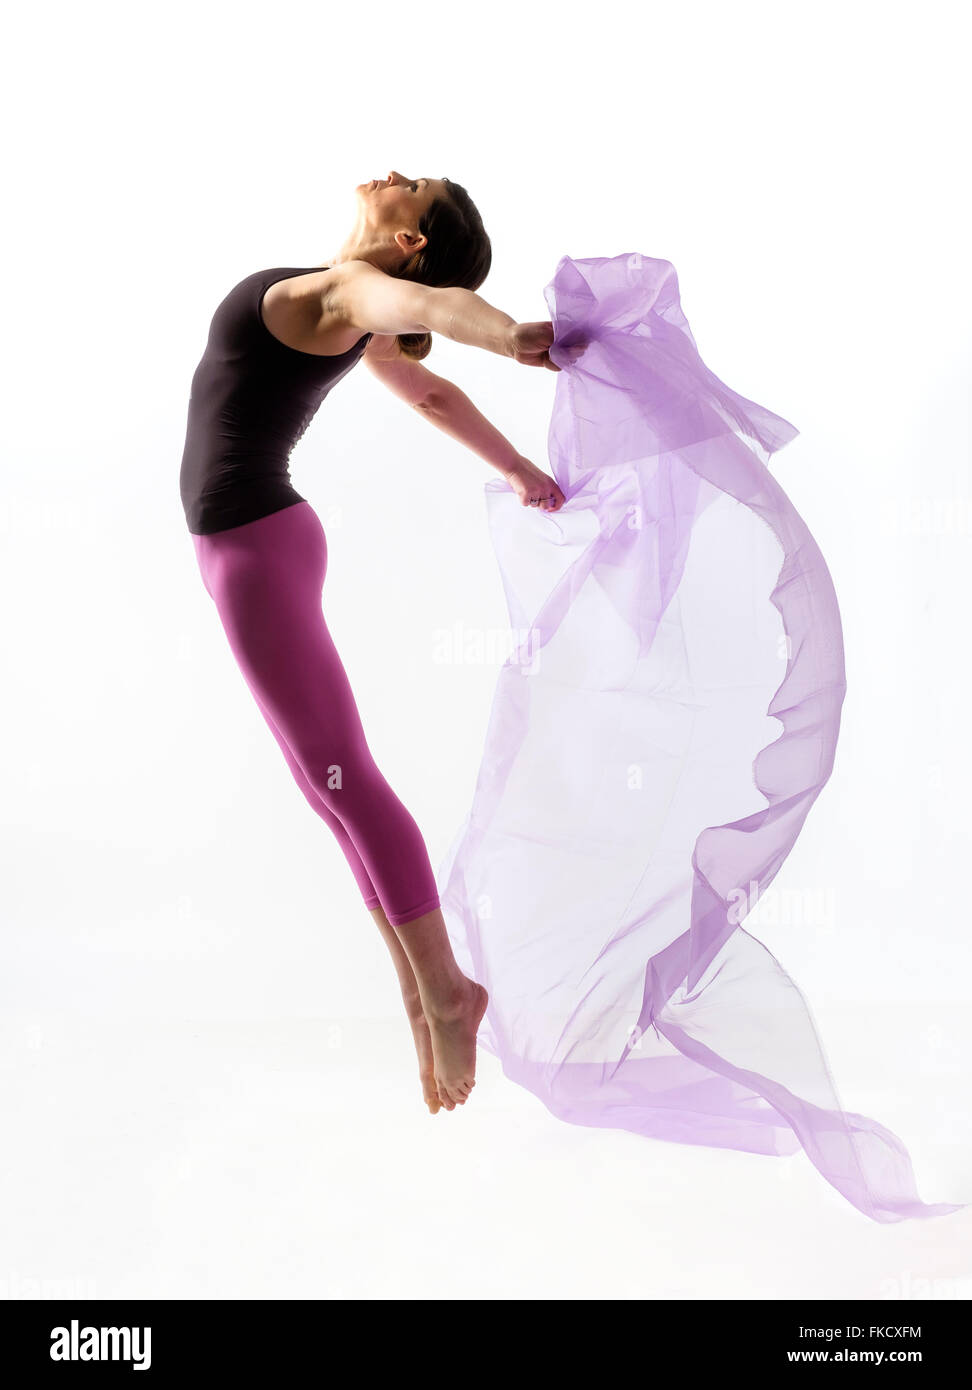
<point>266,579</point>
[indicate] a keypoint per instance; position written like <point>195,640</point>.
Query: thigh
<point>267,587</point>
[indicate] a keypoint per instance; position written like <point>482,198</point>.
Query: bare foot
<point>452,1028</point>
<point>423,1046</point>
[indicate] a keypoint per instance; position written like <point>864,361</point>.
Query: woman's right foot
<point>453,1025</point>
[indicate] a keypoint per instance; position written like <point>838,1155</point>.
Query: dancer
<point>278,342</point>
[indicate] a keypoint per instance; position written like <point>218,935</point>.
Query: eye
<point>413,187</point>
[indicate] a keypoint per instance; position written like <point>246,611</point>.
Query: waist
<point>225,496</point>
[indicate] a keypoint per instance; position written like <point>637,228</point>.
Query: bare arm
<point>374,302</point>
<point>447,406</point>
<point>450,409</point>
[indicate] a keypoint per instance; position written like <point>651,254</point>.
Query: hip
<point>286,547</point>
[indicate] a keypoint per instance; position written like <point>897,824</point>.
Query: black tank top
<point>251,399</point>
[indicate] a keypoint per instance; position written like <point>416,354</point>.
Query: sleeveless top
<point>251,399</point>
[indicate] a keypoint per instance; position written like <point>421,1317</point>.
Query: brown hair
<point>458,253</point>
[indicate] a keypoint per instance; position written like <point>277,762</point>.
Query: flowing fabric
<point>667,718</point>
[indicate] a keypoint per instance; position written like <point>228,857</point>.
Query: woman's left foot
<point>423,1046</point>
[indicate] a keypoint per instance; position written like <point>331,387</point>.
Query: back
<point>251,399</point>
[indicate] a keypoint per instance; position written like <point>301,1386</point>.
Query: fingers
<point>536,489</point>
<point>532,342</point>
<point>545,502</point>
<point>545,361</point>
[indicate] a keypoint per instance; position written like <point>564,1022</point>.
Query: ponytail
<point>414,345</point>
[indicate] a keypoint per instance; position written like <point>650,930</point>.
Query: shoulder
<point>363,297</point>
<point>355,272</point>
<point>342,285</point>
<point>361,268</point>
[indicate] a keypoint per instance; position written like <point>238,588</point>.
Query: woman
<point>277,344</point>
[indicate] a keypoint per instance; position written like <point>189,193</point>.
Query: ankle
<point>413,1004</point>
<point>451,1002</point>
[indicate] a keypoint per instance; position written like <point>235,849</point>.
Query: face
<point>395,204</point>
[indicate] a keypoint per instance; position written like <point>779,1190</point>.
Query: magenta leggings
<point>266,578</point>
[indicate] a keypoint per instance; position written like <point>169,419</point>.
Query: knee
<point>339,775</point>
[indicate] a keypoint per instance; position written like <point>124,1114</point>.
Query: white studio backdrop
<point>207,1077</point>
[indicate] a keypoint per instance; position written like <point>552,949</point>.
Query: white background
<point>207,1081</point>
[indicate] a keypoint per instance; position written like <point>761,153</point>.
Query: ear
<point>410,242</point>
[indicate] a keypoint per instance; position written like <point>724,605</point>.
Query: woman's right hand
<point>530,344</point>
<point>533,487</point>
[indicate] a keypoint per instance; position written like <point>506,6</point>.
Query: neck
<point>363,244</point>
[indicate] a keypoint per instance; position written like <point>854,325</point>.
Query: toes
<point>456,1093</point>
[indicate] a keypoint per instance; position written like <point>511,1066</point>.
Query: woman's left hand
<point>534,487</point>
<point>530,344</point>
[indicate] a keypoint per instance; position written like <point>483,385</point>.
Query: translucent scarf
<point>667,719</point>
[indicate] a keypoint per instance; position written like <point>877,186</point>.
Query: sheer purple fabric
<point>667,717</point>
